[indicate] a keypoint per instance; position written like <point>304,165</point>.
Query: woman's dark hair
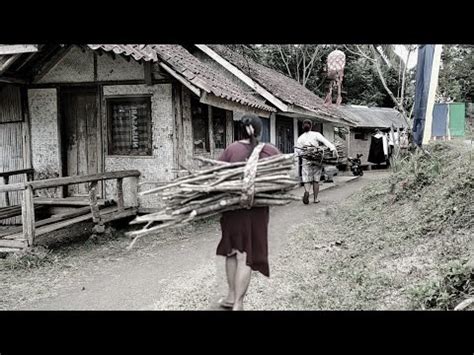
<point>307,125</point>
<point>256,123</point>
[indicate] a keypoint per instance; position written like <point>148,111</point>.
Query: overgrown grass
<point>408,240</point>
<point>454,284</point>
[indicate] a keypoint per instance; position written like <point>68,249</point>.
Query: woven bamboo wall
<point>11,143</point>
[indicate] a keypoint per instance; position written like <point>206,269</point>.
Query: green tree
<point>456,75</point>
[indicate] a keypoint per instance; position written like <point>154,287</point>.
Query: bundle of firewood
<point>321,154</point>
<point>218,188</point>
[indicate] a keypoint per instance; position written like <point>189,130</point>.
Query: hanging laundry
<point>378,150</point>
<point>440,120</point>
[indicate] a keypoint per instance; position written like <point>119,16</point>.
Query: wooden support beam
<point>67,201</point>
<point>107,214</point>
<point>120,204</point>
<point>44,222</point>
<point>13,243</point>
<point>13,187</point>
<point>119,215</point>
<point>68,180</point>
<point>8,63</point>
<point>7,197</point>
<point>9,80</point>
<point>99,227</point>
<point>211,131</point>
<point>212,100</point>
<point>52,63</point>
<point>134,191</point>
<point>16,172</point>
<point>28,216</point>
<point>181,79</point>
<point>147,68</point>
<point>18,48</point>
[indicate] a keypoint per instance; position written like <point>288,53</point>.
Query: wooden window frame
<point>109,100</point>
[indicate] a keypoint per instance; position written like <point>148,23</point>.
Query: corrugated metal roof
<point>377,117</point>
<point>191,68</point>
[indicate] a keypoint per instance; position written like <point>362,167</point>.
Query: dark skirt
<point>247,231</point>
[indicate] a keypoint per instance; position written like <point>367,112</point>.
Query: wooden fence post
<point>134,191</point>
<point>28,215</point>
<point>99,227</point>
<point>7,197</point>
<point>120,203</point>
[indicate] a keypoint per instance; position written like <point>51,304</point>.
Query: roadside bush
<point>455,283</point>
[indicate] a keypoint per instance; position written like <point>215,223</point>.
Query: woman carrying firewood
<point>311,170</point>
<point>244,240</point>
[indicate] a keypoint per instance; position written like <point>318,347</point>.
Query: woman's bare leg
<point>230,269</point>
<point>315,190</point>
<point>242,280</point>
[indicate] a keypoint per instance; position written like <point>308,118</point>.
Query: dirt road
<point>175,272</point>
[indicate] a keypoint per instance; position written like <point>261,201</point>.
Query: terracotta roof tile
<point>280,85</point>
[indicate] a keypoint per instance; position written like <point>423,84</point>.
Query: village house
<point>120,115</point>
<point>366,121</point>
<point>75,110</point>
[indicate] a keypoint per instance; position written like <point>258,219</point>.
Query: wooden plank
<point>9,250</point>
<point>7,198</point>
<point>107,214</point>
<point>119,215</point>
<point>186,160</point>
<point>54,182</point>
<point>228,105</point>
<point>55,226</point>
<point>82,146</point>
<point>13,212</point>
<point>13,187</point>
<point>181,79</point>
<point>67,201</point>
<point>43,222</point>
<point>147,68</point>
<point>93,202</point>
<point>10,106</point>
<point>8,63</point>
<point>211,131</point>
<point>29,216</point>
<point>92,134</point>
<point>13,243</point>
<point>18,48</point>
<point>16,172</point>
<point>120,194</point>
<point>178,126</point>
<point>69,135</point>
<point>229,138</point>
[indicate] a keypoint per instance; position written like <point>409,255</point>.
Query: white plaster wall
<point>157,167</point>
<point>118,68</point>
<point>44,130</point>
<point>328,131</point>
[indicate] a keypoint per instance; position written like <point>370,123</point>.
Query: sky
<point>401,51</point>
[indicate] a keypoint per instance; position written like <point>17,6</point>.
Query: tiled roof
<point>192,69</point>
<point>137,51</point>
<point>377,117</point>
<point>280,85</point>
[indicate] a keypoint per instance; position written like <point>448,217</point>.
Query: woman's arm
<point>323,140</point>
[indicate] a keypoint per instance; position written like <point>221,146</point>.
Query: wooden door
<point>80,132</point>
<point>285,134</point>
